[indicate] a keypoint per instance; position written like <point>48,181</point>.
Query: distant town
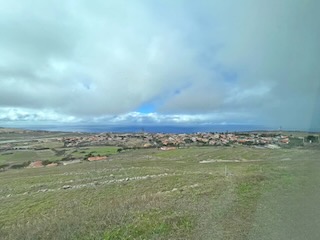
<point>27,148</point>
<point>170,141</point>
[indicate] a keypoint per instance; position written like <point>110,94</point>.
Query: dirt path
<point>292,210</point>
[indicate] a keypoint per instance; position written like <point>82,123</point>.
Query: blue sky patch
<point>147,108</point>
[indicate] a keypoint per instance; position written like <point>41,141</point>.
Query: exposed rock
<point>71,162</point>
<point>43,190</point>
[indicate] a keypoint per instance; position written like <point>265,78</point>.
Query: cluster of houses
<point>150,140</point>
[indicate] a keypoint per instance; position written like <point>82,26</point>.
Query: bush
<point>46,162</point>
<point>312,139</point>
<point>20,165</point>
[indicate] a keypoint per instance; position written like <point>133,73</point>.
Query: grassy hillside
<point>147,194</point>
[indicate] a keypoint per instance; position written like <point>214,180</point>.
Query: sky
<point>160,62</point>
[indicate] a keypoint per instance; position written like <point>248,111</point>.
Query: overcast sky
<point>149,61</point>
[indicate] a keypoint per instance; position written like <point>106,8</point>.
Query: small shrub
<point>20,165</point>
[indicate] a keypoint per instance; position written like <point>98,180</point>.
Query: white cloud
<point>204,60</point>
<point>172,119</point>
<point>8,114</point>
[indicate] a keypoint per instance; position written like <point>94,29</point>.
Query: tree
<point>312,138</point>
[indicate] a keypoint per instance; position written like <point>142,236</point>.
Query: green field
<point>53,154</point>
<point>151,194</point>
